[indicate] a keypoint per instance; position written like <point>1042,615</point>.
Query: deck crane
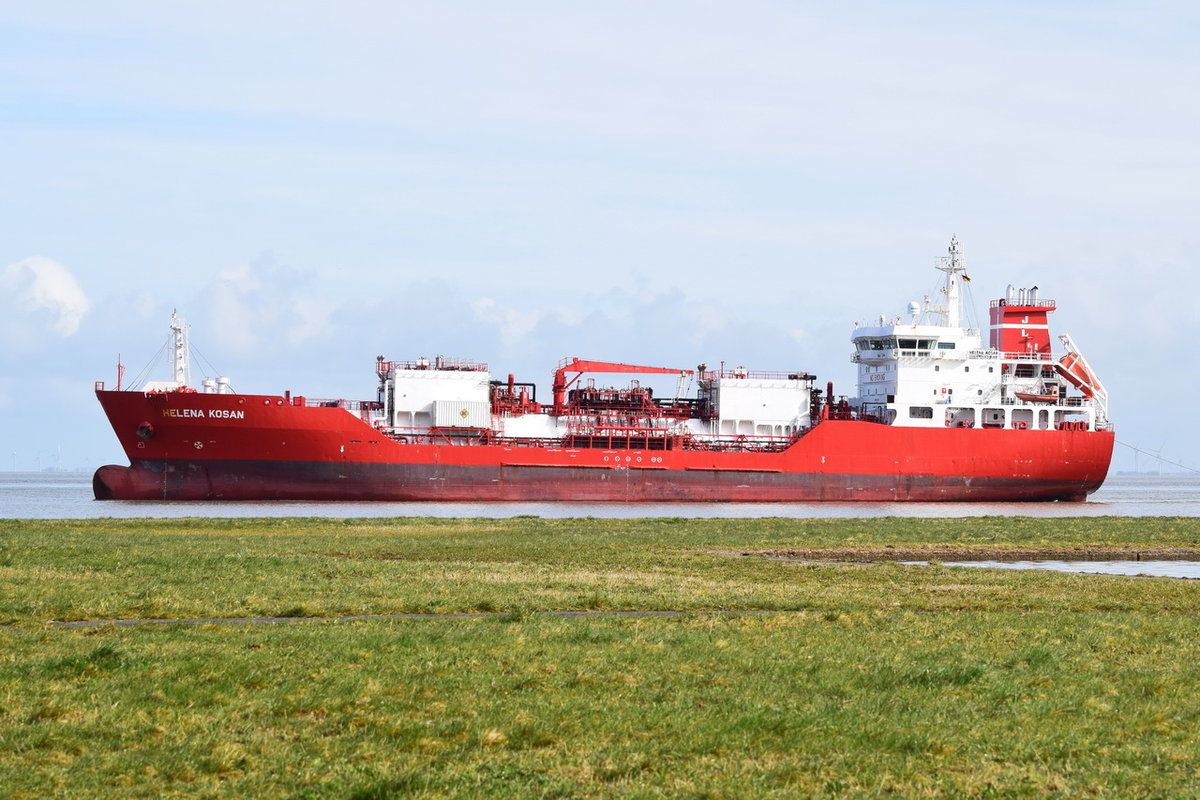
<point>579,367</point>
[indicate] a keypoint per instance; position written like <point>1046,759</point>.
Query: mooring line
<point>1157,457</point>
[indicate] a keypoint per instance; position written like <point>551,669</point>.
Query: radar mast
<point>955,267</point>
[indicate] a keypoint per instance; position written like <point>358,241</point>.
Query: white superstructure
<point>932,370</point>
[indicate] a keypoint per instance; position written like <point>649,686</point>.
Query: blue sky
<point>314,184</point>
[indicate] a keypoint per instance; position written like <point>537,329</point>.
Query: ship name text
<point>199,413</point>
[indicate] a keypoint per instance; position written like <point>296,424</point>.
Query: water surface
<point>1160,569</point>
<point>43,495</point>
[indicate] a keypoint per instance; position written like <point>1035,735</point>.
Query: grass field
<point>848,680</point>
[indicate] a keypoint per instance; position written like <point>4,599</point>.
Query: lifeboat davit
<point>1074,369</point>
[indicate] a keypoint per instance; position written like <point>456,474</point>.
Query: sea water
<point>58,495</point>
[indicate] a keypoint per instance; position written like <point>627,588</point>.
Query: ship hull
<point>190,446</point>
<point>258,480</point>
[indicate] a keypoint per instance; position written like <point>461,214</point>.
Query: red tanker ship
<point>937,417</point>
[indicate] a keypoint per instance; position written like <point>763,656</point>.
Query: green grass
<point>102,569</point>
<point>872,680</point>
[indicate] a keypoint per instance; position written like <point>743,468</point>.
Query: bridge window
<point>886,343</point>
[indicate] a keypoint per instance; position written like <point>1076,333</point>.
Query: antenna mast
<point>183,369</point>
<point>953,265</point>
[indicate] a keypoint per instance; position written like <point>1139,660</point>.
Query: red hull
<point>247,447</point>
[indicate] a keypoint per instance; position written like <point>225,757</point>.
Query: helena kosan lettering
<point>213,413</point>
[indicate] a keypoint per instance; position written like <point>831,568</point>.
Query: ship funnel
<point>1019,323</point>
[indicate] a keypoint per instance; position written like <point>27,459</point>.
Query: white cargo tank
<point>754,403</point>
<point>444,393</point>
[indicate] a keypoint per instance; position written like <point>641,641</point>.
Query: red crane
<point>579,366</point>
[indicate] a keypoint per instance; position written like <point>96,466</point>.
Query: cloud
<point>41,287</point>
<point>655,328</point>
<point>265,305</point>
<point>514,324</point>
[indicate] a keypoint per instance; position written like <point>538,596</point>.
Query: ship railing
<point>870,356</point>
<point>466,436</point>
<point>911,353</point>
<point>741,444</point>
<point>555,443</point>
<point>438,435</point>
<point>997,355</point>
<point>1062,402</point>
<point>1036,302</point>
<point>484,437</point>
<point>650,410</point>
<point>349,405</point>
<point>1027,356</point>
<point>383,368</point>
<point>758,374</point>
<point>862,356</point>
<point>616,429</point>
<point>475,436</point>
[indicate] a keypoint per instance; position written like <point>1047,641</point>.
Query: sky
<point>314,184</point>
